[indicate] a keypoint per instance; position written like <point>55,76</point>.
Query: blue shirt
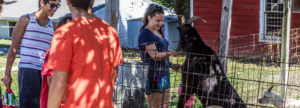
<point>156,68</point>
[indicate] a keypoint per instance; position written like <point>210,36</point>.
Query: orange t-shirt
<point>88,49</point>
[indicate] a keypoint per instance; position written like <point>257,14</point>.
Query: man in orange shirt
<point>84,55</point>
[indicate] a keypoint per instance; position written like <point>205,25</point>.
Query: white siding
<point>129,9</point>
<point>100,13</point>
<point>122,26</point>
<point>133,33</point>
<point>4,29</point>
<point>172,35</point>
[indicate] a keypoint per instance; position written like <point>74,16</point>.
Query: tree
<point>181,7</point>
<point>166,3</point>
<point>112,13</point>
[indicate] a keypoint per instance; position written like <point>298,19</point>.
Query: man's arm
<point>17,36</point>
<point>115,74</point>
<point>57,88</point>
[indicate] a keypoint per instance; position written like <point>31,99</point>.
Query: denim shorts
<point>157,84</point>
<point>30,83</point>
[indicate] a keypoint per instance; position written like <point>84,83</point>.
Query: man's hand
<point>7,81</point>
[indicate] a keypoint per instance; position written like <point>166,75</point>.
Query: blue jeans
<point>30,83</point>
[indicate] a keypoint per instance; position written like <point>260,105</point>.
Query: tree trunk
<point>112,13</point>
<point>182,7</point>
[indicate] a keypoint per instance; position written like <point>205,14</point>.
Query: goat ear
<point>270,89</point>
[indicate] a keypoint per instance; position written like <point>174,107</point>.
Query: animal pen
<point>252,67</point>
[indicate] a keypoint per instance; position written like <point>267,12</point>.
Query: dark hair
<point>46,1</point>
<point>43,1</point>
<point>63,21</point>
<point>91,4</point>
<point>81,4</point>
<point>151,11</point>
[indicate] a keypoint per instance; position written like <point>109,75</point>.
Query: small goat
<point>271,98</point>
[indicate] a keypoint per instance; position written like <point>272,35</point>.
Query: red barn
<point>260,17</point>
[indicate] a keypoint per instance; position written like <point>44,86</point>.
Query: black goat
<point>202,73</point>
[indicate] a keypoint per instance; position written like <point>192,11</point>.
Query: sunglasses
<point>52,5</point>
<point>157,7</point>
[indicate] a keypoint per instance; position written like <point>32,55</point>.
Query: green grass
<point>252,79</point>
<point>14,74</point>
<point>5,43</point>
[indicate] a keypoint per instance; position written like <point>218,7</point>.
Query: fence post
<point>285,46</point>
<point>225,32</point>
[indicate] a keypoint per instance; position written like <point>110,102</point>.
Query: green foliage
<point>5,43</point>
<point>166,3</point>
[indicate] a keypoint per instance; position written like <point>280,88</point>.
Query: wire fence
<point>252,67</point>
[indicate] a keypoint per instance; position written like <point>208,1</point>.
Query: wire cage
<point>252,67</point>
<point>255,66</point>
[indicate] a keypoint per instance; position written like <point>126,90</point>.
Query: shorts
<point>30,82</point>
<point>157,84</point>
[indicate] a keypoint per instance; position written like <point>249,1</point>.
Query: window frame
<point>295,9</point>
<point>263,37</point>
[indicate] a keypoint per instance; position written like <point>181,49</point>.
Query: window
<point>271,18</point>
<point>11,27</point>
